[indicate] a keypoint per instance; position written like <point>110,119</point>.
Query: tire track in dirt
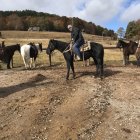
<point>79,116</point>
<point>82,109</point>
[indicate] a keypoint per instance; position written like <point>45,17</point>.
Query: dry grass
<point>112,57</point>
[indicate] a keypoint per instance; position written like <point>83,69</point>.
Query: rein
<point>65,51</point>
<point>70,48</point>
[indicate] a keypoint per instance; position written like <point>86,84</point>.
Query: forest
<point>23,20</point>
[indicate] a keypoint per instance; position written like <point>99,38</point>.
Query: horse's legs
<point>100,68</point>
<point>11,62</point>
<point>97,67</point>
<point>127,59</point>
<point>68,70</point>
<point>25,62</point>
<point>8,64</point>
<point>31,62</point>
<point>34,62</point>
<point>72,67</point>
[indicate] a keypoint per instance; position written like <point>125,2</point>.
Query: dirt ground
<point>41,105</point>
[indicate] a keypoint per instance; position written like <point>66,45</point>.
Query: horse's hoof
<point>102,77</point>
<point>67,78</point>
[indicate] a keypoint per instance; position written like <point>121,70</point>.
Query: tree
<point>2,23</point>
<point>14,22</point>
<point>121,32</point>
<point>133,30</point>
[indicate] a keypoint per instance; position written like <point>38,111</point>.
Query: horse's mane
<point>59,43</point>
<point>12,47</point>
<point>123,41</point>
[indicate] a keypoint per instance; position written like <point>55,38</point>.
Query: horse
<point>7,52</point>
<point>29,53</point>
<point>96,52</point>
<point>128,49</point>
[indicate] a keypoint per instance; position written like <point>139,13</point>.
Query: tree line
<point>133,30</point>
<point>22,20</point>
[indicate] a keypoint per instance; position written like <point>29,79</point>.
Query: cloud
<point>97,11</point>
<point>132,12</point>
<point>100,11</point>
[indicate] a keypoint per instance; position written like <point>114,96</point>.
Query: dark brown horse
<point>128,49</point>
<point>7,53</point>
<point>96,52</point>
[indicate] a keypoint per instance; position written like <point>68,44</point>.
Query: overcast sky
<point>108,13</point>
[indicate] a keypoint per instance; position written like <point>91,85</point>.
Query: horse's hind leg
<point>11,62</point>
<point>100,67</point>
<point>34,62</point>
<point>31,62</point>
<point>8,64</point>
<point>97,67</point>
<point>101,71</point>
<point>124,60</point>
<point>25,62</point>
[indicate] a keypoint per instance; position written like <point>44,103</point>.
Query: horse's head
<point>51,47</point>
<point>119,44</point>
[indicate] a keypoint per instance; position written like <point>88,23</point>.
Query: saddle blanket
<point>85,47</point>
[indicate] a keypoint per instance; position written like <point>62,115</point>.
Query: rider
<point>78,40</point>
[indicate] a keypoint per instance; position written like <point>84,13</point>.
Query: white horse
<point>29,54</point>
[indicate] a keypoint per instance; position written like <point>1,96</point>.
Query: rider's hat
<point>69,26</point>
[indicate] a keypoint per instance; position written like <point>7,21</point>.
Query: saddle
<point>85,47</point>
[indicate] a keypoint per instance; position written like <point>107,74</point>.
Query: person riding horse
<point>78,40</point>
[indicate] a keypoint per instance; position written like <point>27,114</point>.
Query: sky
<point>111,14</point>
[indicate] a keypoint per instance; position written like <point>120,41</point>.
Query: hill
<point>22,20</point>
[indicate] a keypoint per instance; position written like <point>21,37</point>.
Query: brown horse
<point>128,49</point>
<point>7,53</point>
